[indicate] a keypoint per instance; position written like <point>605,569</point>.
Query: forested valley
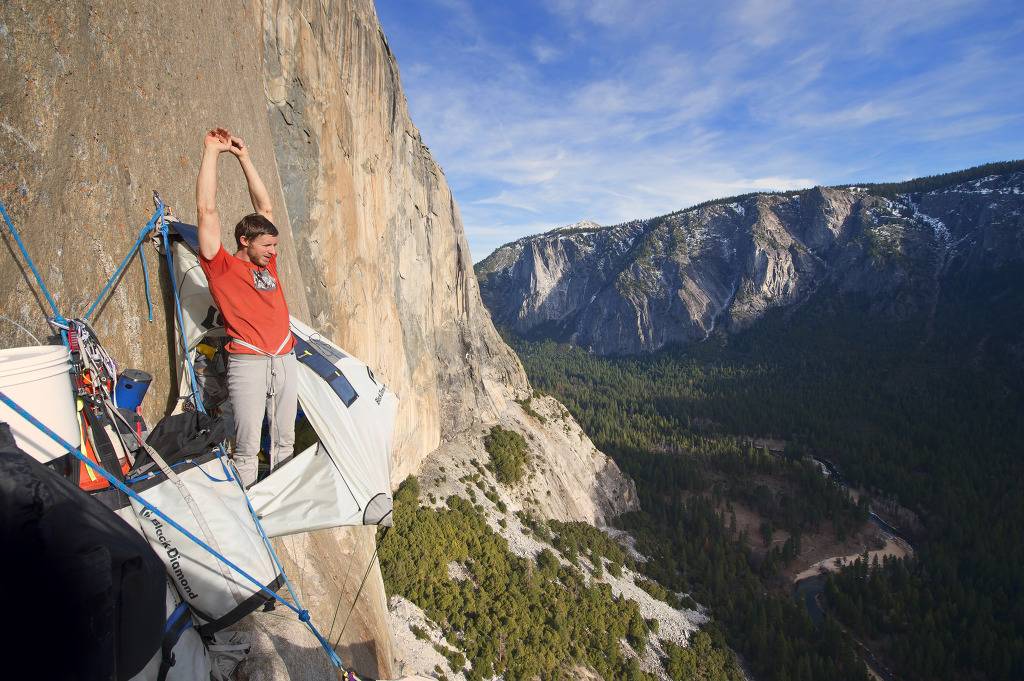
<point>925,414</point>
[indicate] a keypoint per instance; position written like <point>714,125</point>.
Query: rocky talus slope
<point>105,102</point>
<point>559,452</point>
<point>639,286</point>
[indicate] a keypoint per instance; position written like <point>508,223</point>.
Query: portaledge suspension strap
<point>57,316</point>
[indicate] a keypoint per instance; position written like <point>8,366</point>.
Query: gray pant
<point>261,385</point>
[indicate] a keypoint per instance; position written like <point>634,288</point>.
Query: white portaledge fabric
<point>378,511</point>
<point>199,316</point>
<point>217,594</point>
<point>344,481</point>
<point>191,660</point>
<point>309,492</point>
<point>306,493</point>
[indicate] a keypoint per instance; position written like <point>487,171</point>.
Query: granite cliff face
<point>105,102</point>
<point>638,286</point>
<point>379,240</point>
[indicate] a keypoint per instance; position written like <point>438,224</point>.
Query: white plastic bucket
<point>37,380</point>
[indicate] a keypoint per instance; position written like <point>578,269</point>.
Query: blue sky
<point>546,113</point>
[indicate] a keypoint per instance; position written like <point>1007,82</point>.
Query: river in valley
<point>809,585</point>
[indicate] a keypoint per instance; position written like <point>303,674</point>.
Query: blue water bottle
<point>131,387</point>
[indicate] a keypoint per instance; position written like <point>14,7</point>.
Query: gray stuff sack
<point>187,658</point>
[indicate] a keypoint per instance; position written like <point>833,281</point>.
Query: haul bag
<point>207,501</point>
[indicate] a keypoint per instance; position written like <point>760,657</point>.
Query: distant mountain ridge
<point>906,248</point>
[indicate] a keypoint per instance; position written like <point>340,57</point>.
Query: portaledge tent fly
<point>344,479</point>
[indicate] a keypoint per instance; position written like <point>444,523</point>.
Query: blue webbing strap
<point>175,616</point>
<point>303,614</point>
<point>309,355</point>
<point>31,265</point>
<point>335,660</point>
<point>58,317</point>
<point>124,263</point>
<point>178,623</point>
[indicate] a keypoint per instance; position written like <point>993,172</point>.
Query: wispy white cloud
<point>879,24</point>
<point>544,52</point>
<point>856,115</point>
<point>764,22</point>
<point>615,110</point>
<point>619,15</point>
<point>506,198</point>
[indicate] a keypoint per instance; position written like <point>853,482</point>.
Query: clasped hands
<point>220,140</point>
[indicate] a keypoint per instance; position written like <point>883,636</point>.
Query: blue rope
<point>324,643</point>
<point>145,280</point>
<point>196,393</point>
<point>124,263</point>
<point>228,476</point>
<point>31,265</point>
<point>302,613</point>
<point>134,496</point>
<point>134,480</point>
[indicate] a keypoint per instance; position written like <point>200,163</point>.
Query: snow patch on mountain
<point>576,226</point>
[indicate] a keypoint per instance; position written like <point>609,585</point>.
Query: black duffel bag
<point>181,436</point>
<point>84,592</point>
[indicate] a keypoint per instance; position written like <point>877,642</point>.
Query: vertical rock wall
<point>104,102</point>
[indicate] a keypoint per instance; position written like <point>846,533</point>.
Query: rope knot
<point>304,616</point>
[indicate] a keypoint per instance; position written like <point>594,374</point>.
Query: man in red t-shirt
<point>262,369</point>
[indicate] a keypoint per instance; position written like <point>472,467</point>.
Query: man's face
<point>261,249</point>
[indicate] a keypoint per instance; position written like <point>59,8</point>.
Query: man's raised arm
<point>216,141</point>
<point>257,191</point>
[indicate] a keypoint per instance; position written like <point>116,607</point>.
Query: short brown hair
<point>252,226</point>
